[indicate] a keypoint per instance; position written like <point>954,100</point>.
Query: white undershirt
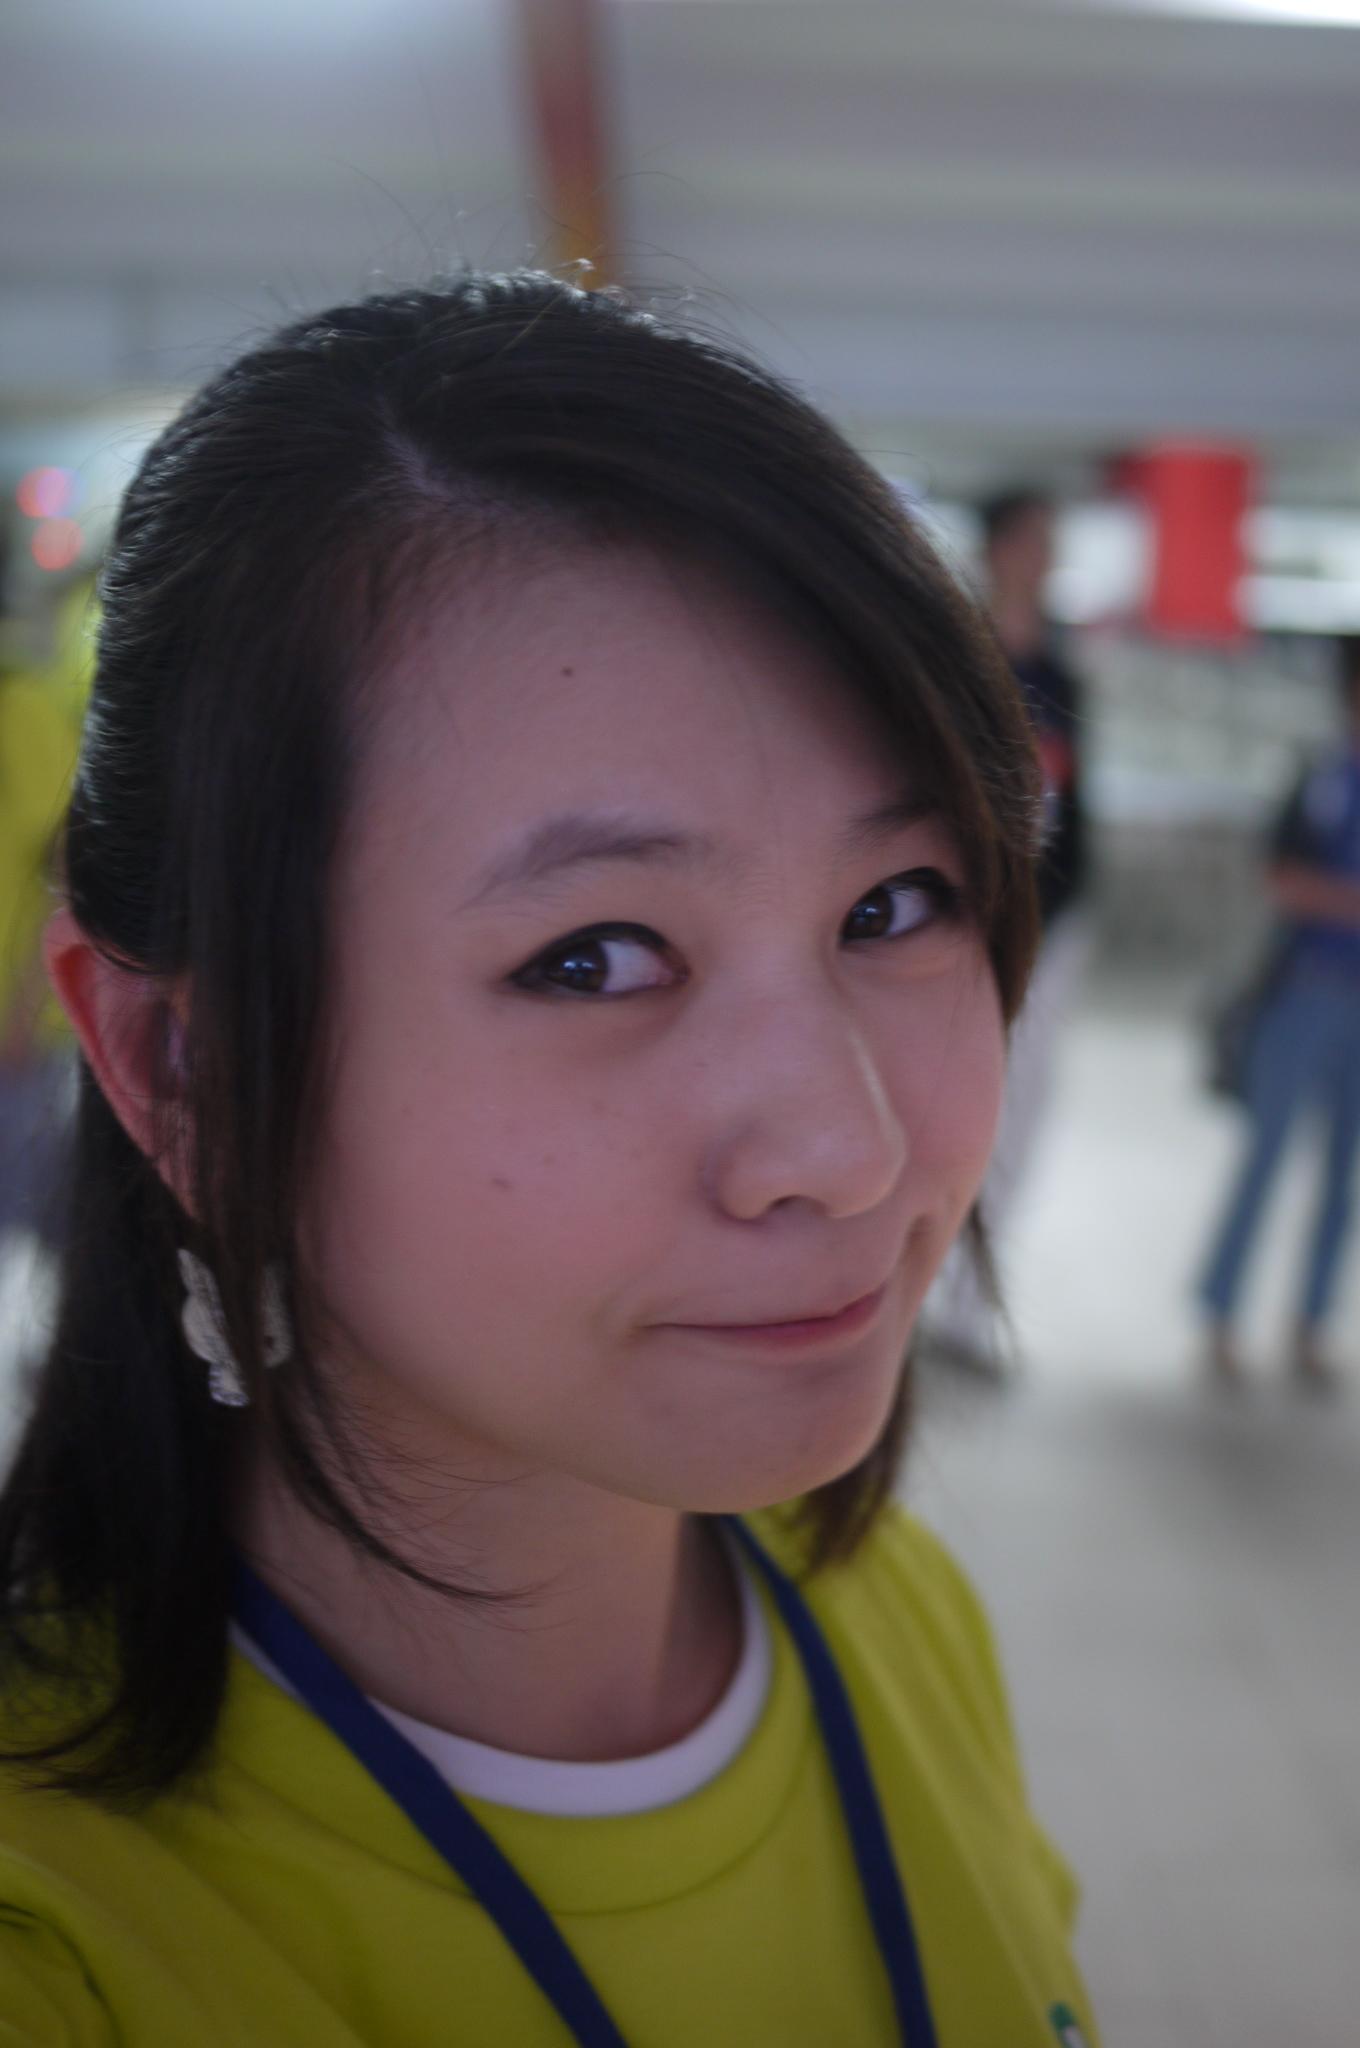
<point>582,1791</point>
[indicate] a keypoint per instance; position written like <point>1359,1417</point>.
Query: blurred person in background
<point>39,724</point>
<point>962,1320</point>
<point>1303,1054</point>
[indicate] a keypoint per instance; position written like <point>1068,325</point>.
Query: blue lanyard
<point>447,1824</point>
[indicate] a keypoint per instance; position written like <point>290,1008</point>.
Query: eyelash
<point>945,898</point>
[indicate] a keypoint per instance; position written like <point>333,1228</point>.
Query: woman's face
<point>666,1061</point>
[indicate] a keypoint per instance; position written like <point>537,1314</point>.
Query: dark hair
<point>298,504</point>
<point>1000,514</point>
<point>1348,669</point>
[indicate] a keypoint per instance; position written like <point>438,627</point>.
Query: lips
<point>825,1315</point>
<point>785,1316</point>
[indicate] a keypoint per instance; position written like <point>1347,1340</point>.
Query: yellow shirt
<point>293,1905</point>
<point>38,738</point>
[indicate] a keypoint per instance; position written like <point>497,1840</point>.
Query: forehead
<point>596,676</point>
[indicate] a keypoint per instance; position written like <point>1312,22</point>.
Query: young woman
<point>548,875</point>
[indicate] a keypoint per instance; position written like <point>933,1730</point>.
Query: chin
<point>785,1465</point>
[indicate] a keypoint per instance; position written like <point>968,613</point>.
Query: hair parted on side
<point>277,535</point>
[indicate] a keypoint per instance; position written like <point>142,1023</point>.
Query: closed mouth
<point>850,1316</point>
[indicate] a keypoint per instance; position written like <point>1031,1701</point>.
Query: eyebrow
<point>909,807</point>
<point>576,839</point>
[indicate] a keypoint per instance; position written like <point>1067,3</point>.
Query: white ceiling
<point>985,232</point>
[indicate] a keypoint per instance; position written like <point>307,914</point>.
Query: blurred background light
<point>46,493</point>
<point>1308,13</point>
<point>57,544</point>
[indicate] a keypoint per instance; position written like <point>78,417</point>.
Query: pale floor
<point>1175,1578</point>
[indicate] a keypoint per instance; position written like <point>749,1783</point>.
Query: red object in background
<point>57,543</point>
<point>46,493</point>
<point>567,93</point>
<point>1196,496</point>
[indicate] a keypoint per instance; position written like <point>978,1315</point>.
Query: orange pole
<point>562,42</point>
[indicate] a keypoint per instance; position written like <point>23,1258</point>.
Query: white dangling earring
<point>205,1329</point>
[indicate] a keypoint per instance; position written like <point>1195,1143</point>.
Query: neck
<point>594,1627</point>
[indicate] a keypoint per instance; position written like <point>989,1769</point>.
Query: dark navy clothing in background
<point>1320,828</point>
<point>1053,696</point>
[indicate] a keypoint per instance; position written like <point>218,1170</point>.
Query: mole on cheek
<point>506,1187</point>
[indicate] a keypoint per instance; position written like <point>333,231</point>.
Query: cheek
<point>950,1077</point>
<point>467,1207</point>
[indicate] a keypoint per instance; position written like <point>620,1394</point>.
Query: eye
<point>605,960</point>
<point>902,905</point>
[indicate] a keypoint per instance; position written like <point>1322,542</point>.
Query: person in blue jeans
<point>1305,1052</point>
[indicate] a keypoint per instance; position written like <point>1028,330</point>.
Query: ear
<point>131,1031</point>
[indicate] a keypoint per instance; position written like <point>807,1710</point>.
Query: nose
<point>808,1118</point>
